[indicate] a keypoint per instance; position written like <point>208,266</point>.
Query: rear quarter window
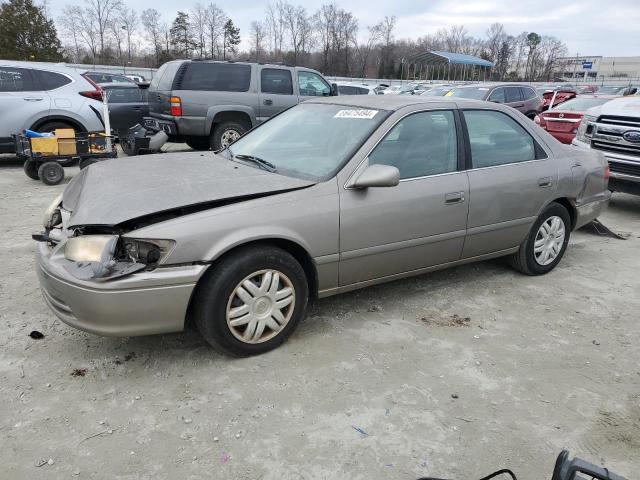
<point>217,77</point>
<point>51,80</point>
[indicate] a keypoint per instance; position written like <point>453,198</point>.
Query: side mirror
<point>334,90</point>
<point>377,176</point>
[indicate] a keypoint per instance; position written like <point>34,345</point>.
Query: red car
<point>561,95</point>
<point>563,120</point>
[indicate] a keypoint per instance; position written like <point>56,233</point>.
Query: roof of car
<point>492,85</point>
<point>394,102</point>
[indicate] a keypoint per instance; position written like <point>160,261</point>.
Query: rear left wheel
<point>546,243</point>
<point>252,301</point>
<point>31,169</point>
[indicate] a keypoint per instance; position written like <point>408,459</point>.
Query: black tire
<point>216,291</point>
<point>531,115</point>
<point>223,128</point>
<point>198,143</point>
<point>524,260</point>
<point>31,169</point>
<point>50,127</point>
<point>51,173</point>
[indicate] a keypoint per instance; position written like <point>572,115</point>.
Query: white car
<point>392,90</point>
<point>43,97</point>
<point>348,88</point>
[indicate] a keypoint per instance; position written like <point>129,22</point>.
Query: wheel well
<point>298,252</point>
<point>570,208</point>
<point>231,117</point>
<point>69,121</point>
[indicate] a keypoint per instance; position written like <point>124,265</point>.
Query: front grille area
<point>626,149</point>
<point>631,122</point>
<point>625,168</point>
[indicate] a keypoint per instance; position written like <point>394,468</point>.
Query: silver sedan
<point>332,195</point>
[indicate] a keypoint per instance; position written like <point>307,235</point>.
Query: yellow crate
<point>67,146</point>
<point>65,133</point>
<point>45,145</point>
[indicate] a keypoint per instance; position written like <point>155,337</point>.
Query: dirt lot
<point>452,374</point>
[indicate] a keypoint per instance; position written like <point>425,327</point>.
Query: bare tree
<point>365,49</point>
<point>118,37</point>
<point>85,27</point>
<point>101,13</point>
<point>276,25</point>
<point>296,23</point>
<point>198,22</point>
<point>214,23</point>
<point>151,23</point>
<point>258,33</point>
<point>70,27</point>
<point>128,20</point>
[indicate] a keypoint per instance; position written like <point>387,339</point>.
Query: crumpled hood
<point>114,191</point>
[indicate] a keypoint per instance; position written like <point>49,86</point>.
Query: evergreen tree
<point>27,34</point>
<point>231,39</point>
<point>182,38</point>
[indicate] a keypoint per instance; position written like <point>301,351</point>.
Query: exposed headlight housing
<point>52,216</point>
<point>585,129</point>
<point>149,252</point>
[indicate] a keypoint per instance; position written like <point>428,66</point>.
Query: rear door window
<point>16,80</point>
<point>528,93</point>
<point>513,94</point>
<point>217,77</point>
<point>51,80</point>
<point>277,81</point>
<point>313,85</point>
<point>496,139</point>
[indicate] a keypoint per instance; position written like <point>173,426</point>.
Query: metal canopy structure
<point>439,65</point>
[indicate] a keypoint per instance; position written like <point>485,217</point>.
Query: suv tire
<point>226,133</point>
<point>546,243</point>
<point>243,309</point>
<point>198,143</point>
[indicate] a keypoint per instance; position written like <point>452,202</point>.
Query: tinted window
<point>51,80</point>
<point>497,139</point>
<point>421,144</point>
<point>347,90</point>
<point>513,94</point>
<point>312,85</point>
<point>15,80</point>
<point>528,93</point>
<point>155,80</point>
<point>498,96</point>
<point>217,77</point>
<point>276,80</point>
<point>125,95</point>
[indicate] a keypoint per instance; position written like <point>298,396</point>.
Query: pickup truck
<point>209,104</point>
<point>614,129</point>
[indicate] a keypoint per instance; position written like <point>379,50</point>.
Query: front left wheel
<point>252,301</point>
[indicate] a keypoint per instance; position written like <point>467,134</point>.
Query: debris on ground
<point>225,457</point>
<point>359,430</point>
<point>450,321</point>
<point>79,372</point>
<point>597,227</point>
<point>454,396</point>
<point>36,335</point>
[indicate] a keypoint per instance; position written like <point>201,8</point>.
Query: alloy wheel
<point>228,137</point>
<point>260,306</point>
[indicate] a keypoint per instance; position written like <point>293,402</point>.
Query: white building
<point>612,70</point>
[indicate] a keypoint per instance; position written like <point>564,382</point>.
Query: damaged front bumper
<point>142,303</point>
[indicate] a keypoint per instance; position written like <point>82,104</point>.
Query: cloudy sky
<point>588,27</point>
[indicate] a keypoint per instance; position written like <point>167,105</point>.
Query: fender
<point>213,111</point>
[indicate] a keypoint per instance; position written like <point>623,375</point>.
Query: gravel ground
<point>452,374</point>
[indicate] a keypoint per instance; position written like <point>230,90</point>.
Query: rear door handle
<point>453,197</point>
<point>545,182</point>
<point>267,102</point>
<point>33,99</point>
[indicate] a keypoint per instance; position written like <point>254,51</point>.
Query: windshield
<point>437,92</point>
<point>310,140</point>
<point>477,93</point>
<point>580,104</point>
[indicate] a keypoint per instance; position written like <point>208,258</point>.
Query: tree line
<point>330,39</point>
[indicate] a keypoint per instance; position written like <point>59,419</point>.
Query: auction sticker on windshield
<point>360,113</point>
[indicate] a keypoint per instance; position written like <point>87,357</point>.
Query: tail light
<point>607,172</point>
<point>175,106</point>
<point>92,94</point>
<point>539,120</point>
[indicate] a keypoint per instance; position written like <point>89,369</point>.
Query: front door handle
<point>267,102</point>
<point>453,197</point>
<point>33,99</point>
<point>545,182</point>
